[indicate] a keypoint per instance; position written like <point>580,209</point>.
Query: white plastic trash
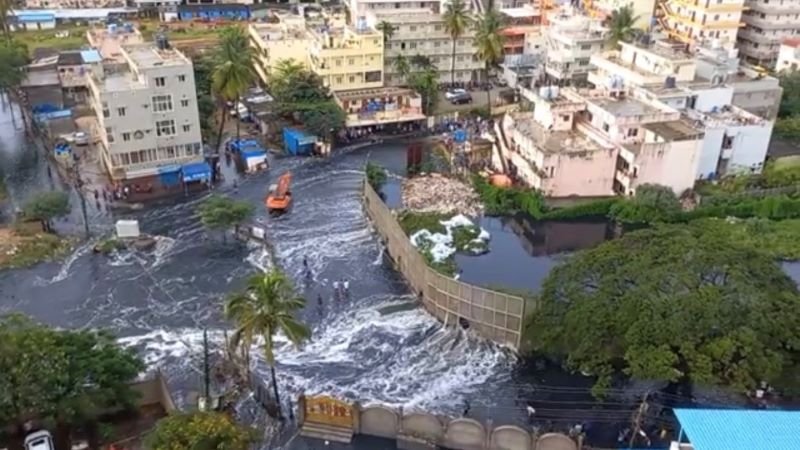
<point>127,228</point>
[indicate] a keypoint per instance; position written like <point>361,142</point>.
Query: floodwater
<point>373,346</point>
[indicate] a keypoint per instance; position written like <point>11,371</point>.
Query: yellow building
<point>642,9</point>
<point>347,58</point>
<point>275,42</point>
<point>701,21</point>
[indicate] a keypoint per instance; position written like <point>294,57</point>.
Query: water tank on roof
<point>112,28</point>
<point>162,43</point>
<point>361,23</point>
<point>669,83</point>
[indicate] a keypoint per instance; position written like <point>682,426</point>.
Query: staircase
<point>326,432</point>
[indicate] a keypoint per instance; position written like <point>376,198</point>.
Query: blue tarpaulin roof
<point>743,429</point>
<point>91,56</point>
<point>35,16</point>
<point>196,171</point>
<point>169,169</point>
<point>301,136</point>
<point>253,153</point>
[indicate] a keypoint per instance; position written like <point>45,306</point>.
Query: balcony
<point>764,24</point>
<point>774,8</point>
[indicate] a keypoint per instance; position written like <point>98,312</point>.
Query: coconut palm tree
<point>422,62</point>
<point>384,27</point>
<point>456,22</point>
<point>489,43</point>
<point>265,308</point>
<point>233,72</point>
<point>402,66</point>
<point>621,25</point>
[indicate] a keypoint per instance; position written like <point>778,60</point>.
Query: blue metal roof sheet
<point>35,16</point>
<point>91,56</point>
<point>740,429</point>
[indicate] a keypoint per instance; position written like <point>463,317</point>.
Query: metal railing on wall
<point>491,314</point>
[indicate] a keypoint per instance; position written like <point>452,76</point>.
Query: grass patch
<point>109,245</point>
<point>411,222</point>
<point>24,251</point>
<point>35,39</point>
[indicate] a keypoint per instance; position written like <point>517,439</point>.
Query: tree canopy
<point>46,206</point>
<point>301,95</point>
<point>219,212</point>
<point>673,303</point>
<point>456,22</point>
<point>66,376</point>
<point>651,203</point>
<point>199,431</point>
<point>13,57</point>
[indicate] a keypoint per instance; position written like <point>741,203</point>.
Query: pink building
<point>599,143</point>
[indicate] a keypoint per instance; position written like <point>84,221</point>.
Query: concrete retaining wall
<point>494,315</point>
<point>414,429</point>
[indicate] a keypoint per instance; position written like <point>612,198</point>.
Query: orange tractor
<point>280,197</point>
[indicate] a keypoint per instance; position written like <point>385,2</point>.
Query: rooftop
<point>359,94</point>
<point>521,13</point>
<point>110,42</point>
<point>147,56</point>
<point>624,107</point>
<point>41,78</point>
<point>791,42</point>
<point>676,130</point>
<point>405,16</point>
<point>277,31</point>
<point>568,142</point>
<point>676,52</point>
<point>726,116</point>
<point>124,81</point>
<point>711,429</point>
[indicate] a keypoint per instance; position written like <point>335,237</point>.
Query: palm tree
<point>384,27</point>
<point>402,66</point>
<point>621,25</point>
<point>456,22</point>
<point>265,308</point>
<point>489,42</point>
<point>233,72</point>
<point>427,84</point>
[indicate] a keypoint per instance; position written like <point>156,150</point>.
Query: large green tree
<point>673,303</point>
<point>489,41</point>
<point>233,72</point>
<point>456,22</point>
<point>651,203</point>
<point>221,213</point>
<point>265,308</point>
<point>47,206</point>
<point>67,377</point>
<point>203,68</point>
<point>621,25</point>
<point>301,96</point>
<point>199,431</point>
<point>426,83</point>
<point>13,58</point>
<point>402,66</point>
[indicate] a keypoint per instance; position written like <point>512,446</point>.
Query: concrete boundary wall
<point>420,430</point>
<point>493,315</point>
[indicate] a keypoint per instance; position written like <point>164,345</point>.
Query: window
<point>109,134</point>
<point>106,113</point>
<point>126,137</point>
<point>586,47</point>
<point>351,61</point>
<point>437,44</point>
<point>413,28</point>
<point>182,78</point>
<point>121,112</point>
<point>565,117</point>
<point>187,128</point>
<point>413,45</point>
<point>338,80</point>
<point>161,81</point>
<point>352,79</point>
<point>438,28</point>
<point>606,127</point>
<point>162,103</point>
<point>373,76</point>
<point>633,132</point>
<point>184,103</point>
<point>165,127</point>
<point>338,62</point>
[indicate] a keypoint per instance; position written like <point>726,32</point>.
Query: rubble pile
<point>435,193</point>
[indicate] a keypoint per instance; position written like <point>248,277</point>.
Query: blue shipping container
<point>298,142</point>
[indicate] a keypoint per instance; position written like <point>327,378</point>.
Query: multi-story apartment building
<point>788,56</point>
<point>68,4</point>
<point>597,142</point>
<point>380,106</point>
<point>642,9</point>
<point>422,32</point>
<point>570,40</point>
<point>275,42</point>
<point>696,22</point>
<point>148,118</point>
<point>347,57</point>
<point>767,24</point>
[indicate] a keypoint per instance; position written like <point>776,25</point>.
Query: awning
<point>253,154</point>
<point>196,171</point>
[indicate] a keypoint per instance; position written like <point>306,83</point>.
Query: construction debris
<point>435,193</point>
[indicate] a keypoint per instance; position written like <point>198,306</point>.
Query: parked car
<point>453,93</point>
<point>39,440</point>
<point>461,99</point>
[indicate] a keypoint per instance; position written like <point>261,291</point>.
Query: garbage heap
<point>435,193</point>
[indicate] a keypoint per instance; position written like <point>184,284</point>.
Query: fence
<point>493,315</point>
<point>324,417</point>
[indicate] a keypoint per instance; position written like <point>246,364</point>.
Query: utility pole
<point>78,183</point>
<point>637,420</point>
<point>206,368</point>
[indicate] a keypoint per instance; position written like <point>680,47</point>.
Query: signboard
<point>328,411</point>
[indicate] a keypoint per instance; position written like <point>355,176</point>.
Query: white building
<point>704,87</point>
<point>571,40</point>
<point>148,118</point>
<point>788,56</point>
<point>767,24</point>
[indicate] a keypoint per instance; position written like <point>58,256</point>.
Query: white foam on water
<point>63,272</point>
<point>259,257</point>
